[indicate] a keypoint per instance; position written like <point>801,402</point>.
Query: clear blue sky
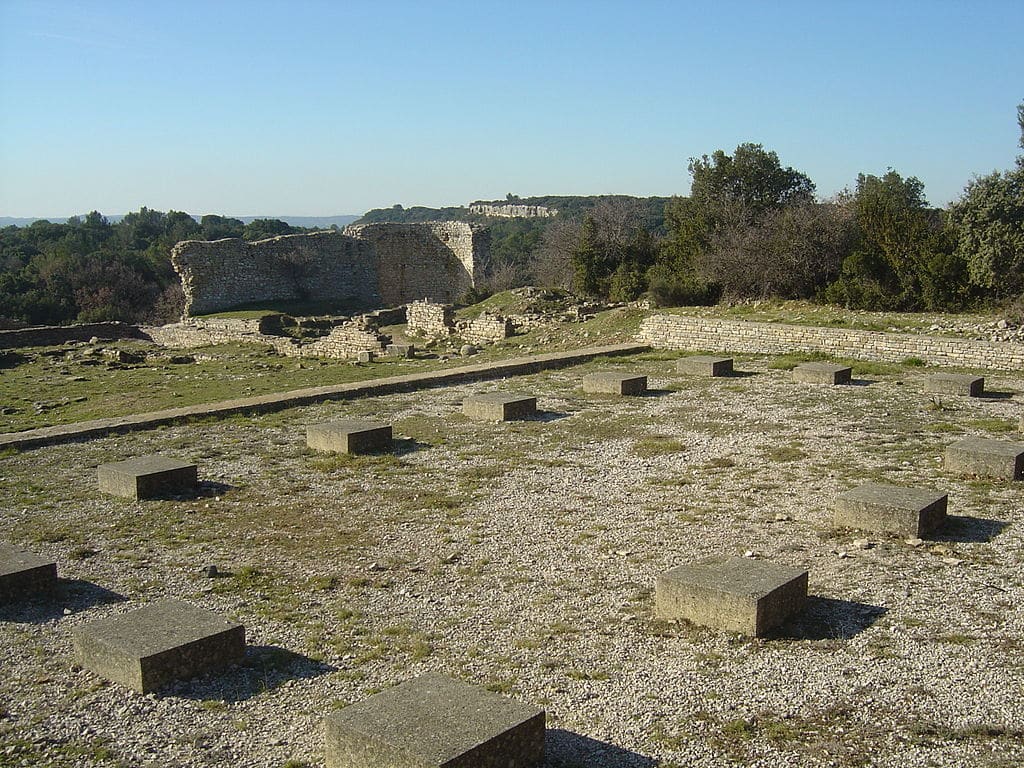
<point>317,108</point>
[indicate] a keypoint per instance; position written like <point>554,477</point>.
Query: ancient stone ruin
<point>366,266</point>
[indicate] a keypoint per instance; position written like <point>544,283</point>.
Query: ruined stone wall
<point>430,320</point>
<point>694,333</point>
<point>513,210</point>
<point>438,260</point>
<point>323,266</point>
<point>51,335</point>
<point>487,329</point>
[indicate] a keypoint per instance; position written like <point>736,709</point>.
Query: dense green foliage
<point>89,270</point>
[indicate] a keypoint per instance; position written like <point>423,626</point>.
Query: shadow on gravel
<point>205,489</point>
<point>265,668</point>
<point>549,416</point>
<point>861,382</point>
<point>964,529</point>
<point>826,618</point>
<point>656,393</point>
<point>565,749</point>
<point>402,446</point>
<point>996,395</point>
<point>70,596</point>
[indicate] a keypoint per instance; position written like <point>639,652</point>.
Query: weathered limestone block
<point>434,721</point>
<point>891,509</point>
<point>24,575</point>
<point>955,384</point>
<point>349,436</point>
<point>401,350</point>
<point>152,646</point>
<point>487,329</point>
<point>705,365</point>
<point>432,321</point>
<point>609,382</point>
<point>146,477</point>
<point>822,373</point>
<point>497,406</point>
<point>989,458</point>
<point>739,595</point>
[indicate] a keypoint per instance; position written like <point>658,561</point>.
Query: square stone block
<point>891,509</point>
<point>822,373</point>
<point>24,575</point>
<point>152,646</point>
<point>434,721</point>
<point>499,407</point>
<point>739,595</point>
<point>400,350</point>
<point>609,382</point>
<point>705,365</point>
<point>989,458</point>
<point>955,384</point>
<point>349,436</point>
<point>147,477</point>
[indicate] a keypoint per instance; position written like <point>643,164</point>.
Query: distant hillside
<point>568,206</point>
<point>310,222</point>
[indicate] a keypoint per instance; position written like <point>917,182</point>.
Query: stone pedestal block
<point>434,721</point>
<point>705,365</point>
<point>955,384</point>
<point>822,373</point>
<point>739,595</point>
<point>147,477</point>
<point>349,436</point>
<point>989,458</point>
<point>891,509</point>
<point>152,646</point>
<point>400,350</point>
<point>608,382</point>
<point>24,575</point>
<point>364,357</point>
<point>499,407</point>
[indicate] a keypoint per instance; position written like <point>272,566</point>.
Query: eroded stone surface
<point>499,407</point>
<point>434,721</point>
<point>149,647</point>
<point>24,575</point>
<point>609,382</point>
<point>738,595</point>
<point>988,458</point>
<point>705,365</point>
<point>822,373</point>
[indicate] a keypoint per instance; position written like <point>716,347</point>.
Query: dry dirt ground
<point>522,556</point>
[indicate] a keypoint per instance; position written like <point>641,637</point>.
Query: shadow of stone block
<point>69,597</point>
<point>264,668</point>
<point>826,618</point>
<point>565,749</point>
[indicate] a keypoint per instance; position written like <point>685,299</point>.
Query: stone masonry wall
<point>487,329</point>
<point>692,333</point>
<point>430,320</point>
<point>438,260</point>
<point>50,335</point>
<point>512,210</point>
<point>323,266</point>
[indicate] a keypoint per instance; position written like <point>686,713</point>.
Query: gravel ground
<point>522,556</point>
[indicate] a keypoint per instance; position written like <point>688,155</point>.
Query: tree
<point>751,176</point>
<point>260,229</point>
<point>219,227</point>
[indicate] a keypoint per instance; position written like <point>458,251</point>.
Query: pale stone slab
<point>400,350</point>
<point>349,436</point>
<point>609,382</point>
<point>705,365</point>
<point>24,575</point>
<point>146,477</point>
<point>152,646</point>
<point>434,721</point>
<point>955,384</point>
<point>891,509</point>
<point>739,595</point>
<point>989,458</point>
<point>499,407</point>
<point>822,373</point>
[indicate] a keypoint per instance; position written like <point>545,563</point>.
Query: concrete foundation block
<point>147,477</point>
<point>24,575</point>
<point>891,509</point>
<point>401,350</point>
<point>704,365</point>
<point>152,646</point>
<point>739,595</point>
<point>434,721</point>
<point>499,407</point>
<point>955,384</point>
<point>349,437</point>
<point>608,382</point>
<point>822,373</point>
<point>988,458</point>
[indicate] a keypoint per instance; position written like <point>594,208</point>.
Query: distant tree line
<point>88,269</point>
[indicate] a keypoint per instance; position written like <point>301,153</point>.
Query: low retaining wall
<point>52,335</point>
<point>695,333</point>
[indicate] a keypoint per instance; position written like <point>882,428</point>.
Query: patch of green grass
<point>657,445</point>
<point>782,453</point>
